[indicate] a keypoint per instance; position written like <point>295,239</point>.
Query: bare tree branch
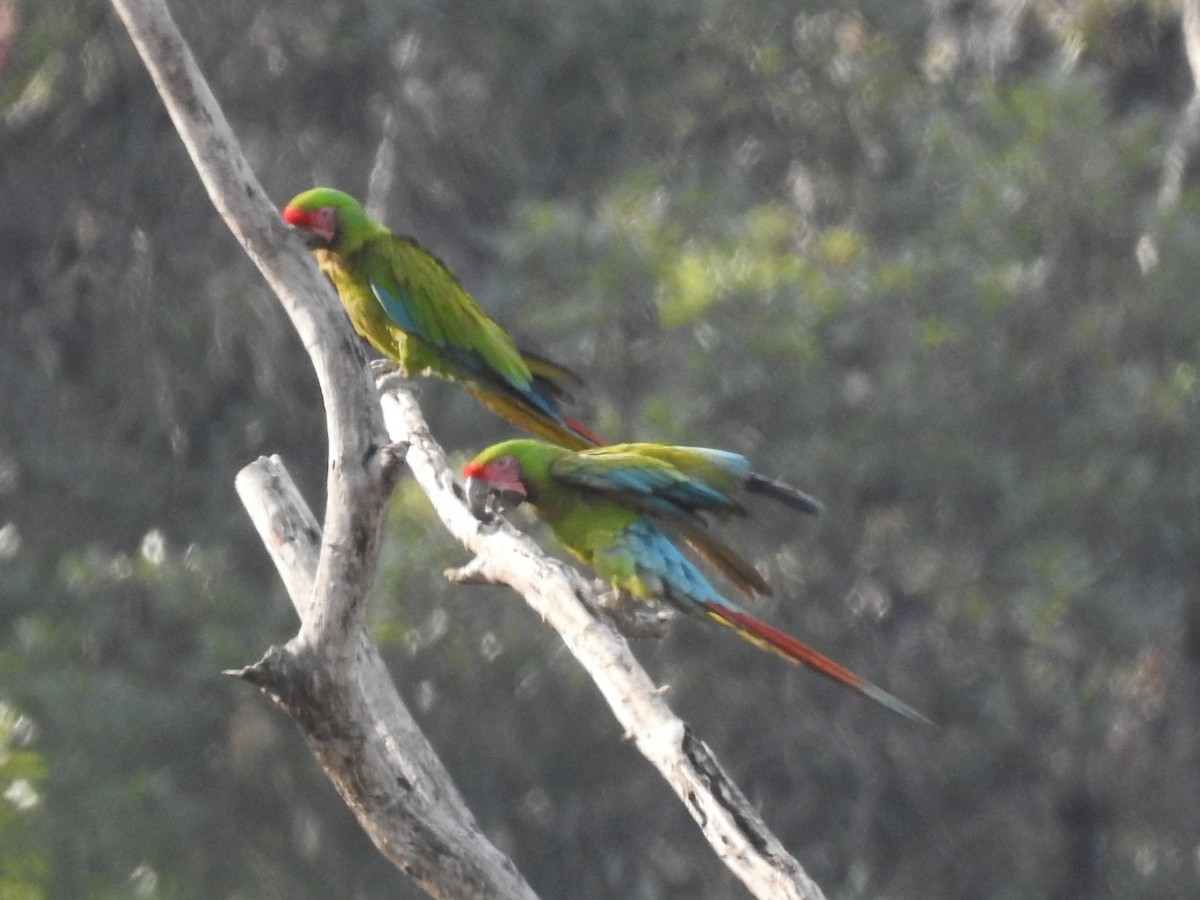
<point>359,728</point>
<point>557,592</point>
<point>330,677</point>
<point>1183,145</point>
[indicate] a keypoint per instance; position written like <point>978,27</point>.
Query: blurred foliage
<point>889,253</point>
<point>23,866</point>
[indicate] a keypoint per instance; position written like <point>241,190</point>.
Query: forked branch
<point>330,677</point>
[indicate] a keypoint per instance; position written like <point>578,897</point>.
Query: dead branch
<point>556,592</point>
<point>1183,145</point>
<point>330,677</point>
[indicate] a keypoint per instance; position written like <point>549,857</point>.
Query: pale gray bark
<point>330,677</point>
<point>557,592</point>
<point>357,725</point>
<point>1183,145</point>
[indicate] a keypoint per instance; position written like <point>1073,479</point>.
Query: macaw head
<point>494,485</point>
<point>324,218</point>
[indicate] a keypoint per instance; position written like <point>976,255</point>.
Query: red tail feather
<point>584,432</point>
<point>763,635</point>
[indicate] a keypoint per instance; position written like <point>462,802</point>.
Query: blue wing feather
<point>659,569</point>
<point>733,463</point>
<point>641,481</point>
<point>397,308</point>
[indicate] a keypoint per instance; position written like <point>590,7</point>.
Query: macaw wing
<point>425,300</point>
<point>740,572</point>
<point>729,472</point>
<point>675,485</point>
<point>721,470</point>
<point>649,485</point>
<point>643,483</point>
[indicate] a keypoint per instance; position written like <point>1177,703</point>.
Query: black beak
<point>486,502</point>
<point>478,497</point>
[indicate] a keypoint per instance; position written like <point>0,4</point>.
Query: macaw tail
<point>584,432</point>
<point>550,382</point>
<point>763,635</point>
<point>567,433</point>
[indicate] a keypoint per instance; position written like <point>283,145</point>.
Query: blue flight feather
<point>663,567</point>
<point>397,309</point>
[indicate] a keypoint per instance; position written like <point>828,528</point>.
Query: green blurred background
<point>887,251</point>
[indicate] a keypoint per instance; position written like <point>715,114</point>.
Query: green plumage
<point>411,308</point>
<point>590,496</point>
<point>584,528</point>
<point>615,509</point>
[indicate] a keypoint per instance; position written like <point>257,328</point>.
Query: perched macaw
<point>614,507</point>
<point>411,308</point>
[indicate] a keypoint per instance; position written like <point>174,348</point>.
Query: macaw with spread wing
<point>614,508</point>
<point>410,307</point>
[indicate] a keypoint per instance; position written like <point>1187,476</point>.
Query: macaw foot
<point>380,367</point>
<point>390,375</point>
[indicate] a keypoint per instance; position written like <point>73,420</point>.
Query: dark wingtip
<point>784,493</point>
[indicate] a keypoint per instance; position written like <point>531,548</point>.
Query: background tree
<point>889,253</point>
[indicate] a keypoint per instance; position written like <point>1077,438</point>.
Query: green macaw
<point>614,507</point>
<point>410,307</point>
